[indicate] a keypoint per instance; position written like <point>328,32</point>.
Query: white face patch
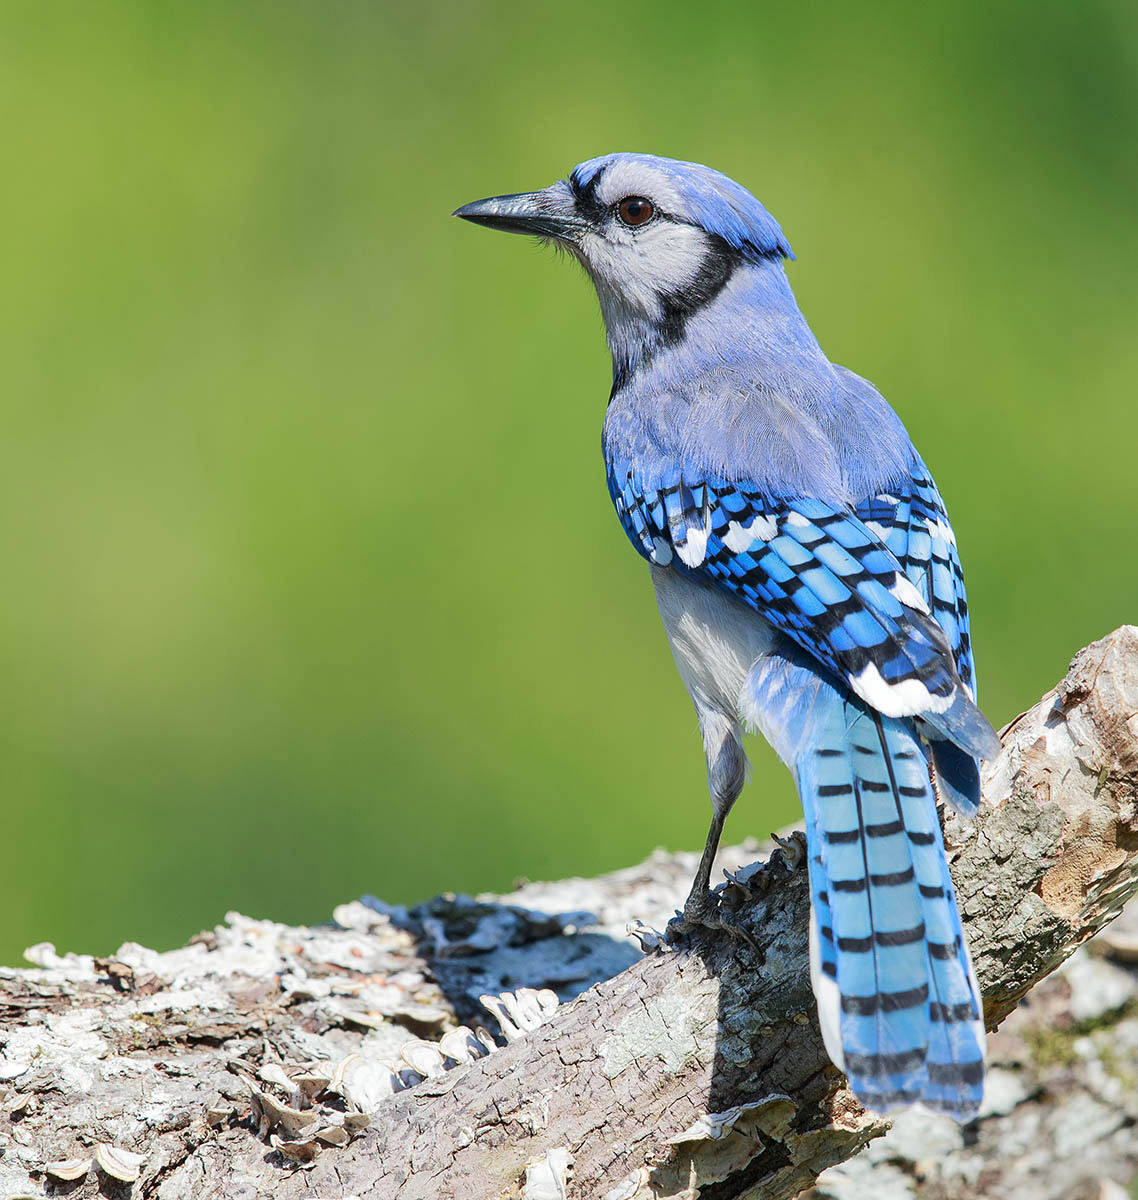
<point>633,267</point>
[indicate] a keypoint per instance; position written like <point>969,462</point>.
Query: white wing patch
<point>905,591</point>
<point>941,529</point>
<point>908,698</point>
<point>742,537</point>
<point>693,550</point>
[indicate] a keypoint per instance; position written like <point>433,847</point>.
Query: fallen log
<point>348,1060</point>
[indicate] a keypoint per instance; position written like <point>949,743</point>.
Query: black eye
<point>635,210</point>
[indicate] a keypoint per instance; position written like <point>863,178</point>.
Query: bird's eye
<point>635,210</point>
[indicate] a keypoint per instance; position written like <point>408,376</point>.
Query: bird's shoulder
<point>826,434</point>
<point>719,463</point>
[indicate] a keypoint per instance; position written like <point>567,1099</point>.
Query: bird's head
<point>659,237</point>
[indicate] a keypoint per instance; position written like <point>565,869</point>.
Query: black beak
<point>551,213</point>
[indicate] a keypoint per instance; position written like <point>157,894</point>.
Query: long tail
<point>897,998</point>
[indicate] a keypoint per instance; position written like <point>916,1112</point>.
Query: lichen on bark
<point>348,1059</point>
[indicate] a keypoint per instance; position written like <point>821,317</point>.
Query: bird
<point>809,582</point>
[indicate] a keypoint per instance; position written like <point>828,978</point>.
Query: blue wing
<point>820,574</point>
<point>913,523</point>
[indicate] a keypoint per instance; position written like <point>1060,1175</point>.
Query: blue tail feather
<point>896,996</point>
<point>957,1046</point>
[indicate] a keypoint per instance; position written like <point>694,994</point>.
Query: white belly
<point>714,640</point>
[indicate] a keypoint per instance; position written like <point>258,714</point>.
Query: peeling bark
<point>345,1060</point>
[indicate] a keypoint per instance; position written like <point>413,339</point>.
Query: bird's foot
<point>791,850</point>
<point>652,941</point>
<point>702,911</point>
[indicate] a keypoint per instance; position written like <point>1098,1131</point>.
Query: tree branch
<point>241,1065</point>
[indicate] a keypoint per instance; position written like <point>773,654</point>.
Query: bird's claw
<point>793,849</point>
<point>651,940</point>
<point>704,913</point>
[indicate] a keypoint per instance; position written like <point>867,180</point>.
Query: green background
<point>311,584</point>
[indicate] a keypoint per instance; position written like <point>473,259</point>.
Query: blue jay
<point>808,580</point>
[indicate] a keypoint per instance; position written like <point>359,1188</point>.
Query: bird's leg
<point>700,902</point>
<point>701,908</point>
<point>726,772</point>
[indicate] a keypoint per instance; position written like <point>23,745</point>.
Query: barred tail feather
<point>957,1048</point>
<point>823,958</point>
<point>897,1000</point>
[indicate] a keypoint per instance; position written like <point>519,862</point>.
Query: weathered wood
<point>239,1065</point>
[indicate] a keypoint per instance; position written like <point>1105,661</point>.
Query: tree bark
<point>263,1060</point>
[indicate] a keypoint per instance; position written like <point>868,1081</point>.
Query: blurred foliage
<point>311,582</point>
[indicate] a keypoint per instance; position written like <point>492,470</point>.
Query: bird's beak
<point>550,213</point>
